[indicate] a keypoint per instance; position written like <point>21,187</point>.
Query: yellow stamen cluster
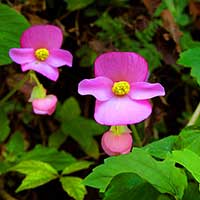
<point>41,54</point>
<point>121,88</point>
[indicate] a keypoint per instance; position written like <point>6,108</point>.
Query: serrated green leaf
<point>37,173</point>
<point>12,24</point>
<point>73,5</point>
<point>4,126</point>
<point>131,187</point>
<point>191,58</point>
<point>77,166</point>
<point>161,148</point>
<point>74,187</point>
<point>58,159</point>
<point>190,160</point>
<point>163,175</point>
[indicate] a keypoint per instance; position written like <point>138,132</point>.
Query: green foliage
<point>12,24</point>
<point>130,186</point>
<point>4,125</point>
<point>73,5</point>
<point>164,176</point>
<point>37,173</point>
<point>191,58</point>
<point>79,128</point>
<point>192,192</point>
<point>74,187</point>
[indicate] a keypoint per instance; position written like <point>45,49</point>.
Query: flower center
<point>121,88</point>
<point>41,54</point>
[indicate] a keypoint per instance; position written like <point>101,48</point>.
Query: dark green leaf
<point>192,192</point>
<point>131,187</point>
<point>77,4</point>
<point>57,139</point>
<point>4,126</point>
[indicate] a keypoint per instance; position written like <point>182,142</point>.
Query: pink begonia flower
<point>40,51</point>
<point>46,105</point>
<point>114,144</point>
<point>121,89</point>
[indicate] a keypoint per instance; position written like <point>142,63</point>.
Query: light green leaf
<point>163,175</point>
<point>12,24</point>
<point>190,160</point>
<point>79,165</point>
<point>77,4</point>
<point>37,173</point>
<point>4,125</point>
<point>191,58</point>
<point>58,159</point>
<point>161,148</point>
<point>74,187</point>
<point>131,187</point>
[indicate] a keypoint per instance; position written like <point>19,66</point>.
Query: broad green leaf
<point>190,160</point>
<point>12,24</point>
<point>79,165</point>
<point>131,187</point>
<point>74,187</point>
<point>77,4</point>
<point>37,173</point>
<point>68,110</point>
<point>161,148</point>
<point>16,143</point>
<point>192,192</point>
<point>57,139</point>
<point>189,138</point>
<point>4,125</point>
<point>163,175</point>
<point>58,159</point>
<point>191,58</point>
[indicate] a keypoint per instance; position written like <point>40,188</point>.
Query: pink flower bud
<point>46,105</point>
<point>115,144</point>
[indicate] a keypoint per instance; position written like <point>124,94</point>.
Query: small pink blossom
<point>115,144</point>
<point>40,51</point>
<point>46,105</point>
<point>121,88</point>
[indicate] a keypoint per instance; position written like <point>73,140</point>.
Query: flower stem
<point>195,116</point>
<point>17,87</point>
<point>136,136</point>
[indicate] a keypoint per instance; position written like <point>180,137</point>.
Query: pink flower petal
<point>116,144</point>
<point>42,68</point>
<point>144,90</point>
<point>121,66</point>
<point>22,55</point>
<point>100,87</point>
<point>59,57</point>
<point>121,111</point>
<point>45,105</point>
<point>42,36</point>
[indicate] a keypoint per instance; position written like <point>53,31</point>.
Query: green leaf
<point>58,159</point>
<point>74,187</point>
<point>161,148</point>
<point>12,24</point>
<point>77,4</point>
<point>164,176</point>
<point>77,166</point>
<point>189,138</point>
<point>68,110</point>
<point>191,58</point>
<point>131,187</point>
<point>16,143</point>
<point>190,160</point>
<point>57,139</point>
<point>37,173</point>
<point>192,192</point>
<point>4,125</point>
